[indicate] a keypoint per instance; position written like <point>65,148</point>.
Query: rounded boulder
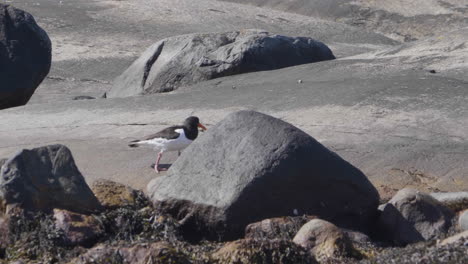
<point>250,167</point>
<point>188,59</point>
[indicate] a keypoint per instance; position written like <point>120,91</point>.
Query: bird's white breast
<point>176,144</point>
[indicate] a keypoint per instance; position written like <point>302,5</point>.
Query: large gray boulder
<point>412,216</point>
<point>25,56</point>
<point>46,178</point>
<point>251,166</point>
<point>188,59</point>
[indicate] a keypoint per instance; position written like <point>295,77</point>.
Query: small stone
<point>432,71</point>
<point>83,97</point>
<point>78,229</point>
<point>299,81</point>
<point>324,240</point>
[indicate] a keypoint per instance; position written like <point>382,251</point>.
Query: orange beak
<point>202,127</point>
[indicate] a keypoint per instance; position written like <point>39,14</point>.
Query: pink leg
<point>156,165</point>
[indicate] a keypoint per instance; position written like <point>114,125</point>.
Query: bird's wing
<point>167,133</point>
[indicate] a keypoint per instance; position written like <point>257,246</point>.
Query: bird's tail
<point>134,143</point>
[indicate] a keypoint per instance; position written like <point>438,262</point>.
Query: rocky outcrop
<point>324,240</point>
<point>25,56</point>
<point>46,178</point>
<point>405,20</point>
<point>412,216</point>
<point>276,228</point>
<point>188,59</point>
<point>251,166</point>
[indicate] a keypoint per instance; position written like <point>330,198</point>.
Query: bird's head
<point>193,121</point>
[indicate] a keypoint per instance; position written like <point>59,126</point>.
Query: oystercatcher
<point>174,138</point>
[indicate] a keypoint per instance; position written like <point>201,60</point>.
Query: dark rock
<point>188,59</point>
<point>157,253</point>
<point>78,229</point>
<point>463,220</point>
<point>456,201</point>
<point>45,178</point>
<point>252,166</point>
<point>412,216</point>
<point>113,195</point>
<point>262,251</point>
<point>324,240</point>
<point>83,97</point>
<point>276,228</point>
<point>25,56</point>
<point>432,71</point>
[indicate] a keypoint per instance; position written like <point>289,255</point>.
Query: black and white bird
<point>174,138</point>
